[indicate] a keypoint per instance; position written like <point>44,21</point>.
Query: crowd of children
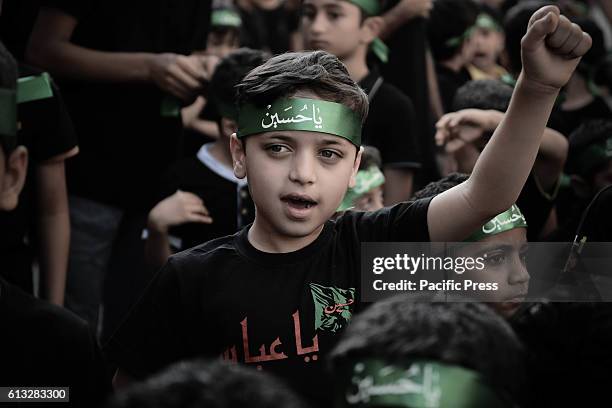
<point>185,187</point>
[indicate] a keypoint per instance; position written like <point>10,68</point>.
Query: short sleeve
<point>403,222</point>
<point>151,337</point>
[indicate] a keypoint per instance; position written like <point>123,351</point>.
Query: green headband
<point>506,221</point>
<point>33,88</point>
<point>372,8</point>
<point>8,117</point>
<point>365,180</point>
<point>313,115</point>
<point>593,156</point>
<point>457,41</point>
<point>486,21</point>
<point>418,384</point>
<point>225,18</point>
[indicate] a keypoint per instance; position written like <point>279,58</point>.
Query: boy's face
<point>370,201</point>
<point>297,178</point>
<point>12,177</point>
<point>221,43</point>
<point>505,264</point>
<point>334,26</point>
<point>488,44</point>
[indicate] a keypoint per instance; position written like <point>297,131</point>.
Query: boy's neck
<point>266,240</point>
<point>220,150</point>
<point>356,66</point>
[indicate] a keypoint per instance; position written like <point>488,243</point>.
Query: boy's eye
<point>276,148</point>
<point>494,258</point>
<point>330,154</point>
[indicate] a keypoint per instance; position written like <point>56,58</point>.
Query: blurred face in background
<point>488,44</point>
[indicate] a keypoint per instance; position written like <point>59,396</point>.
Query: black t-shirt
<point>46,131</point>
<point>448,83</point>
<point>280,312</point>
<point>228,202</point>
<point>390,125</point>
<point>45,345</point>
<point>535,206</point>
<point>126,142</point>
<point>597,109</point>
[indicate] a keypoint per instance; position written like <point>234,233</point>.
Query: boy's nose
<point>303,169</point>
<point>518,273</point>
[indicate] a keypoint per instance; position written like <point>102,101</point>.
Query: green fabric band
<point>486,21</point>
<point>313,115</point>
<point>372,8</point>
<point>225,18</point>
<point>457,41</point>
<point>33,88</point>
<point>8,117</point>
<point>170,107</point>
<point>365,181</point>
<point>418,384</point>
<point>592,157</point>
<point>506,221</point>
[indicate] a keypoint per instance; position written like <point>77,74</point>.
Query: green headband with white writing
<point>372,8</point>
<point>506,221</point>
<point>365,180</point>
<point>417,384</point>
<point>8,118</point>
<point>592,157</point>
<point>313,115</point>
<point>225,18</point>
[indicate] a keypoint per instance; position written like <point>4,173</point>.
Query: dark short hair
<point>436,187</point>
<point>466,334</point>
<point>483,94</point>
<point>286,74</point>
<point>230,71</point>
<point>515,27</point>
<point>449,19</point>
<point>370,157</point>
<point>8,80</point>
<point>208,384</point>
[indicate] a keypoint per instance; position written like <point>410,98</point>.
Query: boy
<point>479,107</point>
<point>202,199</point>
<point>41,344</point>
<point>348,29</point>
<point>208,385</point>
<point>277,294</point>
<point>405,354</point>
<point>488,45</point>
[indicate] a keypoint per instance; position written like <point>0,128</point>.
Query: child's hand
<point>180,208</point>
<point>180,75</point>
<point>551,49</point>
<point>456,129</point>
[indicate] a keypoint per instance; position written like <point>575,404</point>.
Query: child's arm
<point>551,50</point>
<point>180,208</point>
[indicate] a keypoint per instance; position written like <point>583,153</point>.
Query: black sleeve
<point>152,336</point>
<point>403,222</point>
<point>393,129</point>
<point>76,8</point>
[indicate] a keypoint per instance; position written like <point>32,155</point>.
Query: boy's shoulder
<point>383,95</point>
<point>214,252</point>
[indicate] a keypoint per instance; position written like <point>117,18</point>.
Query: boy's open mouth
<point>299,201</point>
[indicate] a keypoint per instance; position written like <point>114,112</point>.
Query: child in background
<point>349,29</point>
<point>367,194</point>
<point>201,199</point>
<point>488,38</point>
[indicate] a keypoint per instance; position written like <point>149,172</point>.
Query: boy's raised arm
<point>551,50</point>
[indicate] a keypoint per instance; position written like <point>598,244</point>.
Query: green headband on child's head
<point>365,181</point>
<point>8,118</point>
<point>313,115</point>
<point>486,21</point>
<point>225,18</point>
<point>417,384</point>
<point>508,220</point>
<point>592,157</point>
<point>372,8</point>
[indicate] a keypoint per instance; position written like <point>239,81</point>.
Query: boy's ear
<point>238,150</point>
<point>228,126</point>
<point>371,28</point>
<point>16,167</point>
<point>355,168</point>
